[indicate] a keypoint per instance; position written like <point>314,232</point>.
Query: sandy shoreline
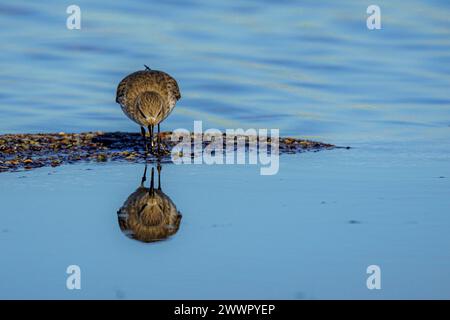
<point>29,151</point>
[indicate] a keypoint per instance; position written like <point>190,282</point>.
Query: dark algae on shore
<point>28,151</point>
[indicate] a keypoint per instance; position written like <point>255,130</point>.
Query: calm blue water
<point>310,69</point>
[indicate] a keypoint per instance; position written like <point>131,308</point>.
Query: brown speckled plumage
<point>147,97</point>
<point>149,214</point>
<point>147,217</point>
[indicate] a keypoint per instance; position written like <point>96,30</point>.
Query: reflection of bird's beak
<point>152,183</point>
<point>144,176</point>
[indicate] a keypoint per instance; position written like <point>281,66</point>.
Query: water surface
<point>311,69</point>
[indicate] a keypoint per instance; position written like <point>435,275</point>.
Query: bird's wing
<point>172,86</point>
<point>121,90</point>
<point>130,83</point>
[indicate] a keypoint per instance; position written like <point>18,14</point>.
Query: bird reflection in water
<point>148,214</point>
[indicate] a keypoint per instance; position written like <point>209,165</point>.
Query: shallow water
<point>312,70</point>
<point>309,232</point>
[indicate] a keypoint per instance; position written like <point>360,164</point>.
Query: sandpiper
<point>147,97</point>
<point>149,214</point>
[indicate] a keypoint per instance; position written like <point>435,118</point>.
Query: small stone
<point>55,163</point>
<point>102,157</point>
<point>289,140</point>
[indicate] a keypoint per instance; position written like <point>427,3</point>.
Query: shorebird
<point>147,97</point>
<point>148,214</point>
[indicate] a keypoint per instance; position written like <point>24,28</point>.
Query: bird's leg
<point>158,140</point>
<point>145,139</point>
<point>158,167</point>
<point>144,176</point>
